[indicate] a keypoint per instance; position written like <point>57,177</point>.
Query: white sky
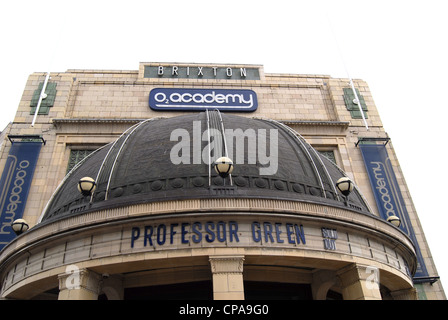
<point>397,46</point>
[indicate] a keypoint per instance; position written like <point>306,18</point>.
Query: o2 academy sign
<point>183,99</point>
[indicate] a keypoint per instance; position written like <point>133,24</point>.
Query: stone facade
<point>93,107</point>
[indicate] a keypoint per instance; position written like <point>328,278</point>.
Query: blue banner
<point>15,185</point>
<point>388,195</point>
<point>181,99</point>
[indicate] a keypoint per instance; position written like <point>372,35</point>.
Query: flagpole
<point>346,71</point>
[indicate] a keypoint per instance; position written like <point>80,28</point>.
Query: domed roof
<point>168,159</point>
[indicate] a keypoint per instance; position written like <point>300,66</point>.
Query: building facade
<point>160,223</point>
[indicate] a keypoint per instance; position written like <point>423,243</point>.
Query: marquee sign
<point>182,99</point>
<point>215,232</point>
<point>200,232</point>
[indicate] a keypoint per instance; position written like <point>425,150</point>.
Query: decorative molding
<point>95,121</point>
<point>226,264</point>
<point>343,124</point>
<point>80,279</point>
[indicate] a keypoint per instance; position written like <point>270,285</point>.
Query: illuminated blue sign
<point>181,99</point>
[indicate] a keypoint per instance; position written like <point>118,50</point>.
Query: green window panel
<point>329,155</point>
<point>349,99</point>
<point>76,156</point>
<point>48,102</point>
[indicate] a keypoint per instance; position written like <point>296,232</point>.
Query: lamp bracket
<point>26,138</point>
<point>369,139</point>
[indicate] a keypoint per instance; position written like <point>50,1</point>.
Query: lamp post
<point>345,186</point>
<point>19,226</point>
<point>86,186</point>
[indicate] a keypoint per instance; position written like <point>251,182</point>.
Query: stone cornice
<point>343,124</point>
<point>56,122</point>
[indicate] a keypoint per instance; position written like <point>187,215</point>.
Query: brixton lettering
<point>202,72</point>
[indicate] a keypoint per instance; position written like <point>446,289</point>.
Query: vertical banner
<point>15,185</point>
<point>387,193</point>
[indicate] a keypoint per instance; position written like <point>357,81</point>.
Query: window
<point>76,156</point>
<point>329,155</point>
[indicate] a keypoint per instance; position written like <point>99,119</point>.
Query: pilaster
<point>227,277</point>
<point>79,284</point>
<point>360,282</point>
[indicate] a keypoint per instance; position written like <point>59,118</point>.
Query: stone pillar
<point>359,282</point>
<point>79,284</point>
<point>227,277</point>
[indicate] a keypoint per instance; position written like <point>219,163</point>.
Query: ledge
<point>344,124</point>
<point>93,121</point>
